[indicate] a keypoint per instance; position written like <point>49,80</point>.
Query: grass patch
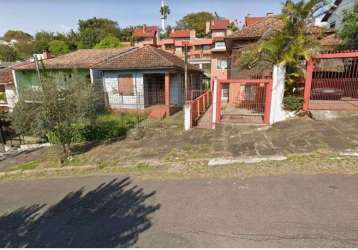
<point>26,166</point>
<point>314,164</point>
<point>143,166</point>
<point>112,125</point>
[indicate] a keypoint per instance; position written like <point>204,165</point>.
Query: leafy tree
<point>24,49</point>
<point>196,21</point>
<point>73,40</point>
<point>17,35</point>
<point>233,27</point>
<point>58,108</point>
<point>109,41</point>
<point>42,40</point>
<point>126,34</point>
<point>92,31</point>
<point>7,53</point>
<point>87,39</point>
<point>58,47</point>
<point>349,32</point>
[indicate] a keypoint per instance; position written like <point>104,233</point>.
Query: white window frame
<point>222,63</point>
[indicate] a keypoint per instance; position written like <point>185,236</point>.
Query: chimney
<point>144,27</point>
<point>207,27</point>
<point>192,34</point>
<point>46,55</point>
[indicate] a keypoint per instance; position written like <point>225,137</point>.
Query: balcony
<point>236,73</point>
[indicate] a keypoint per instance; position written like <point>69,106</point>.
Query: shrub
<point>111,125</point>
<point>2,96</point>
<point>56,108</point>
<point>292,102</point>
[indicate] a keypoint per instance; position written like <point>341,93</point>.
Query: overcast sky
<point>62,15</point>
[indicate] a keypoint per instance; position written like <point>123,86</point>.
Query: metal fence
<point>335,84</point>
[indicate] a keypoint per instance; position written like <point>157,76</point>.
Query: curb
<point>47,170</point>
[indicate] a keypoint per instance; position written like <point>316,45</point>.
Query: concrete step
<point>242,119</point>
<point>206,120</point>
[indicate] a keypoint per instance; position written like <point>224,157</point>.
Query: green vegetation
<point>92,31</point>
<point>17,35</point>
<point>7,53</point>
<point>63,110</point>
<point>109,41</point>
<point>58,47</point>
<point>56,109</point>
<point>26,166</point>
<point>2,96</point>
<point>196,21</point>
<point>292,102</point>
<point>293,44</point>
<point>349,32</point>
<point>111,125</point>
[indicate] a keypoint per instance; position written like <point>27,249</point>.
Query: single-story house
<point>147,79</point>
<point>81,60</point>
<point>129,79</point>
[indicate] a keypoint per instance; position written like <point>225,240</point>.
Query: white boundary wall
<point>277,113</point>
<point>214,104</point>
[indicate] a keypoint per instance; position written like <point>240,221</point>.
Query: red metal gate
<point>248,101</point>
<point>332,82</point>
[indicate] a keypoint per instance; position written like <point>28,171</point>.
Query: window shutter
<point>125,85</point>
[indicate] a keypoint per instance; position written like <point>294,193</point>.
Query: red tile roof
<point>5,76</point>
<point>80,59</point>
<point>180,34</point>
<point>252,20</point>
<point>146,31</point>
<point>144,58</point>
<point>259,29</point>
<point>220,24</point>
<point>330,40</point>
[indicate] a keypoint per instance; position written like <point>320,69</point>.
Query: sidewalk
<point>167,142</point>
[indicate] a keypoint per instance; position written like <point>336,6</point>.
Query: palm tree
<point>293,43</point>
<point>164,12</point>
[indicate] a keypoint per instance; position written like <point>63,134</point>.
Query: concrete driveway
<point>112,211</point>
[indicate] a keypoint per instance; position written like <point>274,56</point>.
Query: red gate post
<point>167,93</point>
<point>268,100</point>
<point>308,84</point>
<point>218,101</point>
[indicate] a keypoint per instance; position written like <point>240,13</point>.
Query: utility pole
<point>2,137</point>
<point>185,70</point>
<point>37,67</point>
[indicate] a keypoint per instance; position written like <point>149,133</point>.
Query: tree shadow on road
<point>112,215</point>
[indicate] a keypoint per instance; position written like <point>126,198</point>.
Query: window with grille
<point>125,85</point>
